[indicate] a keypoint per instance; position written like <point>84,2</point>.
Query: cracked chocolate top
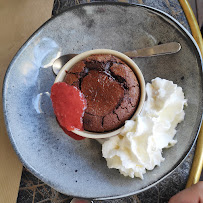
<point>111,89</point>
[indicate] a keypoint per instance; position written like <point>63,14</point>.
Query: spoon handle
<point>161,49</point>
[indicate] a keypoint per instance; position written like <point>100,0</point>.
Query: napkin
<point>18,20</point>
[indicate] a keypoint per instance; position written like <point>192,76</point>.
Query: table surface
<point>34,190</point>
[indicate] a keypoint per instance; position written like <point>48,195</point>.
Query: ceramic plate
<point>77,168</point>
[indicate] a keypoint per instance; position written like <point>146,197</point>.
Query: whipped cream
<point>139,146</point>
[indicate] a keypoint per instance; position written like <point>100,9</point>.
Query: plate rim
<point>20,156</point>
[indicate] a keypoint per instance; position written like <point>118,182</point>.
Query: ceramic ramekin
<point>124,58</point>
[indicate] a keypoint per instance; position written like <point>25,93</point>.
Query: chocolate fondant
<point>111,89</point>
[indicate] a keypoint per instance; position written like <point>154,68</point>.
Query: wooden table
<point>33,190</point>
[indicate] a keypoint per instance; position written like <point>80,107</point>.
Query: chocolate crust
<point>111,89</point>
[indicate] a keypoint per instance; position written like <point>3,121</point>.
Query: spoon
<point>162,49</point>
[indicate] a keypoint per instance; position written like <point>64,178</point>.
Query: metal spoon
<point>162,49</point>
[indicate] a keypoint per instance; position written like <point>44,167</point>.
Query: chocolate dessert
<point>111,89</point>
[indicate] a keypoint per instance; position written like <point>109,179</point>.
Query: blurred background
<point>197,7</point>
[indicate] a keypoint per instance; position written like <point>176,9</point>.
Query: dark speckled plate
<point>76,167</point>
